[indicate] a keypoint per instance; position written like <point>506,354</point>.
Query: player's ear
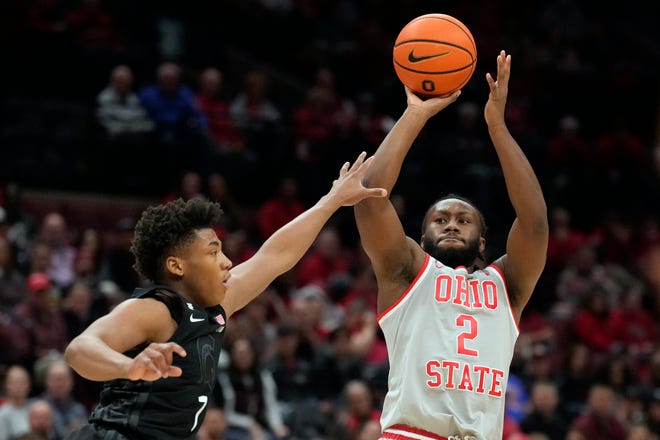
<point>174,266</point>
<point>482,244</point>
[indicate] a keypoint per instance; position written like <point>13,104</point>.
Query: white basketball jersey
<point>450,340</point>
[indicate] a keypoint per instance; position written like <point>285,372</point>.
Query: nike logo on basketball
<point>193,319</point>
<point>413,59</point>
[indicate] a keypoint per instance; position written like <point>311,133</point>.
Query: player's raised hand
<point>429,106</point>
<point>348,188</point>
<point>499,89</point>
<point>155,362</point>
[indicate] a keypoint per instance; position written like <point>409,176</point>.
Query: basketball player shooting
<point>450,325</point>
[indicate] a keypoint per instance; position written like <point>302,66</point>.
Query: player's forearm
<point>94,360</point>
<point>389,156</point>
<point>521,182</point>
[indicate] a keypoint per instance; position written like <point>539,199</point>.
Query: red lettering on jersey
<point>475,378</point>
<point>489,289</point>
<point>481,371</point>
<point>466,380</point>
<point>443,286</point>
<point>451,366</point>
<point>469,293</point>
<point>461,296</point>
<point>435,375</point>
<point>496,384</point>
<point>476,298</point>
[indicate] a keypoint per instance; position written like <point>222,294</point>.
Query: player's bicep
<point>526,253</point>
<point>381,234</point>
<point>132,323</point>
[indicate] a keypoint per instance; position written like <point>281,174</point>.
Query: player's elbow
<point>73,353</point>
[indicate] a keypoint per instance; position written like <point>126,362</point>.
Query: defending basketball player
<point>158,351</point>
<point>450,325</point>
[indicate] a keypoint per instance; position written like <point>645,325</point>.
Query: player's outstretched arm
<point>527,243</point>
<point>287,246</point>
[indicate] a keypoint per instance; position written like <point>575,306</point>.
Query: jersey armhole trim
<point>407,291</point>
<point>499,273</point>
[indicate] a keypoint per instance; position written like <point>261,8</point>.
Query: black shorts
<point>94,432</point>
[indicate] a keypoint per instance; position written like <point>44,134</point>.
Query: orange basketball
<point>434,55</point>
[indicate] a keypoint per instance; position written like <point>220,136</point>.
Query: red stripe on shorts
<point>398,436</point>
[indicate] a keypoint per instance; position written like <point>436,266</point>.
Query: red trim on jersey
<point>506,291</point>
<point>418,432</point>
<point>403,295</point>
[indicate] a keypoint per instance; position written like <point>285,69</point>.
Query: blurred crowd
<point>255,105</point>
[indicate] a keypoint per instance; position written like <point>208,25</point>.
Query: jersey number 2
<point>471,326</point>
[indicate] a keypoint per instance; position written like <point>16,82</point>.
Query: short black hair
<point>163,228</point>
<point>482,220</point>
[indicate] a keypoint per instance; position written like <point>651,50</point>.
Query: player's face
<point>206,268</point>
<point>452,234</point>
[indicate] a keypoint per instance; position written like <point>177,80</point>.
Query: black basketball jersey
<point>171,408</point>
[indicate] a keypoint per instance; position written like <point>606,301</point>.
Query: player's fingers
<point>174,372</point>
<point>491,81</point>
<point>376,192</point>
<point>359,161</point>
<point>344,169</point>
<point>172,347</point>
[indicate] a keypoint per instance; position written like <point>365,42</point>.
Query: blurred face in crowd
<point>17,383</point>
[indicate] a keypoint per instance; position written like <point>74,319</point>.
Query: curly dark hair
<point>164,228</point>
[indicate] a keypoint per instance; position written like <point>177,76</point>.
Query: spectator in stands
<point>68,412</point>
<point>574,380</point>
<point>39,257</point>
<point>219,190</point>
<point>564,239</point>
<point>12,281</point>
<point>42,426</point>
<point>327,257</point>
<point>41,320</point>
<point>584,273</point>
<point>359,407</point>
<point>93,29</point>
<point>314,314</point>
<point>55,233</point>
<point>119,111</point>
<point>259,117</point>
<point>189,186</point>
<point>214,425</point>
<point>22,225</point>
<point>14,413</point>
<point>593,326</point>
<point>654,412</point>
<point>280,208</point>
<point>248,395</point>
<point>77,308</point>
<point>124,129</point>
<point>179,123</point>
<point>335,365</point>
<point>598,419</point>
<point>212,102</point>
<point>291,366</point>
<point>636,326</point>
<point>372,125</point>
<point>566,153</point>
<point>119,257</point>
<point>544,417</point>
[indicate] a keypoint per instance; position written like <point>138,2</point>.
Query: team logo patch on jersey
<point>220,320</point>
